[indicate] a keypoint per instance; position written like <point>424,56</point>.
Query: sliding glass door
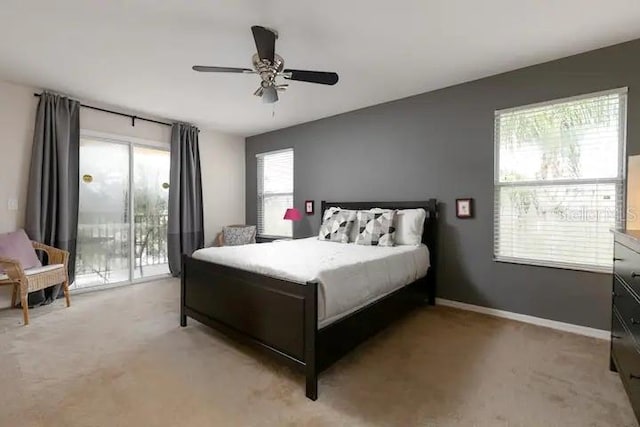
<point>122,218</point>
<point>151,211</point>
<point>103,254</point>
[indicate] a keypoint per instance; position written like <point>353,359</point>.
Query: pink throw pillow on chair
<point>16,245</point>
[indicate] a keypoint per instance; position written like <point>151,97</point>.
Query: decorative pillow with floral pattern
<point>235,235</point>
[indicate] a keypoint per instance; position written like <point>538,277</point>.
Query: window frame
<point>620,181</point>
<point>260,196</point>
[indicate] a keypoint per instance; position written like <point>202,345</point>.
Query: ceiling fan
<point>268,65</point>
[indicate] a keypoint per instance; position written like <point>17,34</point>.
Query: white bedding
<point>350,276</point>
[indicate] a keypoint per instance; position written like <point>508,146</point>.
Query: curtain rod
<point>117,113</point>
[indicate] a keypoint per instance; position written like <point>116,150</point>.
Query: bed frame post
<point>183,273</point>
<point>311,339</point>
<point>431,240</point>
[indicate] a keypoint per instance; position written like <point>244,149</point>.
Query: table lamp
<point>292,214</point>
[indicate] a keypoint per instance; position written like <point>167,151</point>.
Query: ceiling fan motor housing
<point>266,69</point>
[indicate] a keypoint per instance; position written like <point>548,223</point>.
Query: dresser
<point>625,313</point>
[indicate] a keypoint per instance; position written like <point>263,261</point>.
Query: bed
<point>298,308</point>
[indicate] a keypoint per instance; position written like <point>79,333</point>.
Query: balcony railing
<point>104,249</point>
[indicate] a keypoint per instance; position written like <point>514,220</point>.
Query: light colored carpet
<point>119,358</point>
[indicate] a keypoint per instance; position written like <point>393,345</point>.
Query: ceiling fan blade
<point>269,95</point>
<point>321,77</point>
<point>207,69</point>
<point>265,42</point>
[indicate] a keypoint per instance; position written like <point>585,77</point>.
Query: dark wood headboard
<point>429,235</point>
<point>431,206</point>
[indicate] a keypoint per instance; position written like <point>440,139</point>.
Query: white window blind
<point>559,181</point>
<point>275,192</point>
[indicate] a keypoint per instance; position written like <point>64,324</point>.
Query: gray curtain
<point>52,198</point>
<point>186,224</point>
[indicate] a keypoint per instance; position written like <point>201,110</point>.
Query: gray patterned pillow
<point>375,227</point>
<point>337,225</point>
<point>235,235</point>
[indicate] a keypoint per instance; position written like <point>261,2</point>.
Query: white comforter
<point>350,276</point>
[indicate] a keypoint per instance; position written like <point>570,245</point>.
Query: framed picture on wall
<point>464,208</point>
<point>308,207</point>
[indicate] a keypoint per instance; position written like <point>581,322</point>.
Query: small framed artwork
<point>464,208</point>
<point>308,207</point>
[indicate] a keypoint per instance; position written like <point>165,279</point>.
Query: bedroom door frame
<point>130,142</point>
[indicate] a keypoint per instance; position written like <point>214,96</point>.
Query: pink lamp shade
<point>293,214</point>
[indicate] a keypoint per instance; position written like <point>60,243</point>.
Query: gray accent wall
<point>440,144</point>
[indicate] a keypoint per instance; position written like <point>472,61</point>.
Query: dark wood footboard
<point>273,315</point>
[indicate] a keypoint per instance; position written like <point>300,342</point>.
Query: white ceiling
<point>137,54</point>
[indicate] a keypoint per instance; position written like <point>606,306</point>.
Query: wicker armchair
<point>35,279</point>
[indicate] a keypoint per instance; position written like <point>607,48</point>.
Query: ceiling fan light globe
<point>269,95</point>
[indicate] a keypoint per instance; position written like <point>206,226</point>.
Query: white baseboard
<point>553,324</point>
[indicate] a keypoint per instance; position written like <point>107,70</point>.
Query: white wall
<point>17,117</point>
<point>223,176</point>
<point>222,159</point>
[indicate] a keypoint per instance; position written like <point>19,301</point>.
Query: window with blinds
<point>559,181</point>
<point>275,192</point>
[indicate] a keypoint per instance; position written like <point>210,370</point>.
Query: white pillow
<point>409,226</point>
